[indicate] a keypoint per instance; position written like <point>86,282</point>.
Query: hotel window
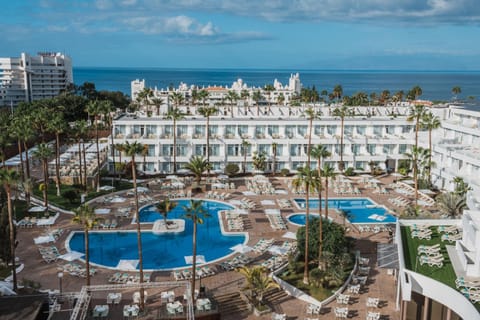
<point>119,130</point>
<point>242,130</point>
<point>137,129</point>
<point>302,130</point>
<point>348,130</point>
<point>387,149</point>
<point>182,149</point>
<point>295,150</point>
<point>230,130</point>
<point>182,130</point>
<point>151,150</point>
<point>167,149</point>
<point>260,131</point>
<point>377,130</point>
<point>151,129</point>
<point>406,129</point>
<point>233,150</point>
<point>213,130</point>
<point>318,130</point>
<point>199,131</point>
<point>200,150</point>
<point>273,130</point>
<point>279,150</point>
<point>371,149</point>
<point>402,148</point>
<point>356,149</point>
<point>290,131</point>
<point>361,130</point>
<point>390,129</point>
<point>214,150</point>
<point>331,130</point>
<point>168,130</point>
<point>264,148</point>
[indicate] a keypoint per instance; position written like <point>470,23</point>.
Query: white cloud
<point>103,4</point>
<point>178,25</point>
<point>127,3</point>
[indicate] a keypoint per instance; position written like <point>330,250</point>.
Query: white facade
<point>466,248</point>
<point>30,78</point>
<point>137,86</point>
<point>381,138</point>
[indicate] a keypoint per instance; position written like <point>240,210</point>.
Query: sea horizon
<point>436,84</point>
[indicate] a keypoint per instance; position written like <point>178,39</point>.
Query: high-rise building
<point>30,78</point>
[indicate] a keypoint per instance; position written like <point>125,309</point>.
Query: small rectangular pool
<point>358,210</point>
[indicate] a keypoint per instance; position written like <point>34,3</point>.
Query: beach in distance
<point>436,85</point>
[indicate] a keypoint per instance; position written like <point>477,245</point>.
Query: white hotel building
<point>30,78</point>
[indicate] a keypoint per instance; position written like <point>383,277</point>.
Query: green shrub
<point>349,172</point>
<point>284,172</point>
<point>231,169</point>
<point>71,195</point>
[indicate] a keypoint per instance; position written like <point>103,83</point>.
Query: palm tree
<point>197,165</point>
<point>131,150</point>
<point>79,132</point>
<point>416,113</point>
<point>164,207</point>
<point>57,125</point>
<point>257,96</point>
<point>9,178</point>
<point>258,281</point>
<point>207,112</point>
<point>274,158</point>
<point>310,114</point>
<point>94,108</point>
<point>143,97</point>
<point>175,115</point>
<point>337,92</point>
<point>281,98</point>
<point>157,102</point>
<point>430,122</point>
<point>414,93</point>
<point>108,111</point>
<point>269,88</point>
<point>245,145</point>
<point>306,178</point>
<point>203,95</point>
<point>85,216</point>
<point>197,213</point>
<point>451,204</point>
<point>120,147</point>
<point>341,112</point>
<point>177,99</point>
<point>328,172</point>
<point>456,91</point>
<point>44,152</point>
<point>319,152</point>
<point>232,96</point>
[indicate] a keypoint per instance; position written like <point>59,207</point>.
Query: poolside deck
<point>257,225</point>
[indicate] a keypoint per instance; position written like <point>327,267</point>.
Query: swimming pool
<point>165,251</point>
<point>299,218</point>
<point>359,210</point>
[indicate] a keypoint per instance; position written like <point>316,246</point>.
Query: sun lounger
<point>451,237</point>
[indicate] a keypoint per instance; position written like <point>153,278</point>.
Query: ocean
<point>436,85</point>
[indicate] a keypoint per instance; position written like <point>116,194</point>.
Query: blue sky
<point>291,34</point>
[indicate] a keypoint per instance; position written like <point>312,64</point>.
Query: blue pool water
<point>300,218</point>
<point>357,210</point>
<point>160,251</point>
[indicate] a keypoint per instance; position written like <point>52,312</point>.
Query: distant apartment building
<point>29,78</point>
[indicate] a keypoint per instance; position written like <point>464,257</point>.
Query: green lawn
<point>445,274</point>
<point>63,203</point>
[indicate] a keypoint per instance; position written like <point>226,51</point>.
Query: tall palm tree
<point>175,115</point>
<point>203,95</point>
<point>416,114</point>
<point>328,173</point>
<point>306,178</point>
<point>43,153</point>
<point>16,131</point>
<point>94,108</point>
<point>197,165</point>
<point>131,150</point>
<point>269,88</point>
<point>197,213</point>
<point>232,96</point>
<point>120,147</point>
<point>9,178</point>
<point>337,92</point>
<point>207,112</point>
<point>164,207</point>
<point>456,91</point>
<point>245,145</point>
<point>57,125</point>
<point>144,154</point>
<point>178,99</point>
<point>341,112</point>
<point>257,96</point>
<point>85,216</point>
<point>319,152</point>
<point>310,114</point>
<point>80,132</point>
<point>430,122</point>
<point>274,158</point>
<point>157,102</point>
<point>108,111</point>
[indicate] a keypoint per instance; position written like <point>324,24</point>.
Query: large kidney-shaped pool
<point>160,252</point>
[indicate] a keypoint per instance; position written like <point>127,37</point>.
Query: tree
<point>57,125</point>
<point>461,187</point>
<point>164,207</point>
<point>85,216</point>
<point>280,98</point>
<point>94,108</point>
<point>245,145</point>
<point>258,281</point>
<point>120,147</point>
<point>197,213</point>
<point>337,92</point>
<point>451,204</point>
<point>341,112</point>
<point>329,173</point>
<point>131,150</point>
<point>269,88</point>
<point>259,161</point>
<point>157,102</point>
<point>203,95</point>
<point>310,114</point>
<point>207,112</point>
<point>456,91</point>
<point>79,133</point>
<point>430,122</point>
<point>232,96</point>
<point>416,113</point>
<point>9,178</point>
<point>274,158</point>
<point>177,99</point>
<point>306,178</point>
<point>414,93</point>
<point>197,165</point>
<point>43,153</point>
<point>257,96</point>
<point>175,115</point>
<point>319,152</point>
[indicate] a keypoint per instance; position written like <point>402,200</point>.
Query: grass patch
<point>5,271</point>
<point>64,203</point>
<point>445,274</point>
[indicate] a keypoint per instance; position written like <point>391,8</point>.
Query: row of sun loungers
<point>49,254</point>
<point>247,204</point>
<point>274,262</point>
<point>262,245</point>
<point>434,260</point>
<point>107,224</point>
<point>448,229</point>
<point>451,237</point>
<point>373,228</point>
<point>186,274</point>
<point>218,196</point>
<point>284,203</point>
<point>234,221</point>
<point>123,277</point>
<point>422,234</point>
<point>399,201</point>
<point>429,250</point>
<point>123,212</point>
<point>179,194</point>
<point>276,221</point>
<point>236,262</point>
<point>76,270</point>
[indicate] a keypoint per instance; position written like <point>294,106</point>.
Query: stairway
<point>275,297</point>
<point>232,306</point>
